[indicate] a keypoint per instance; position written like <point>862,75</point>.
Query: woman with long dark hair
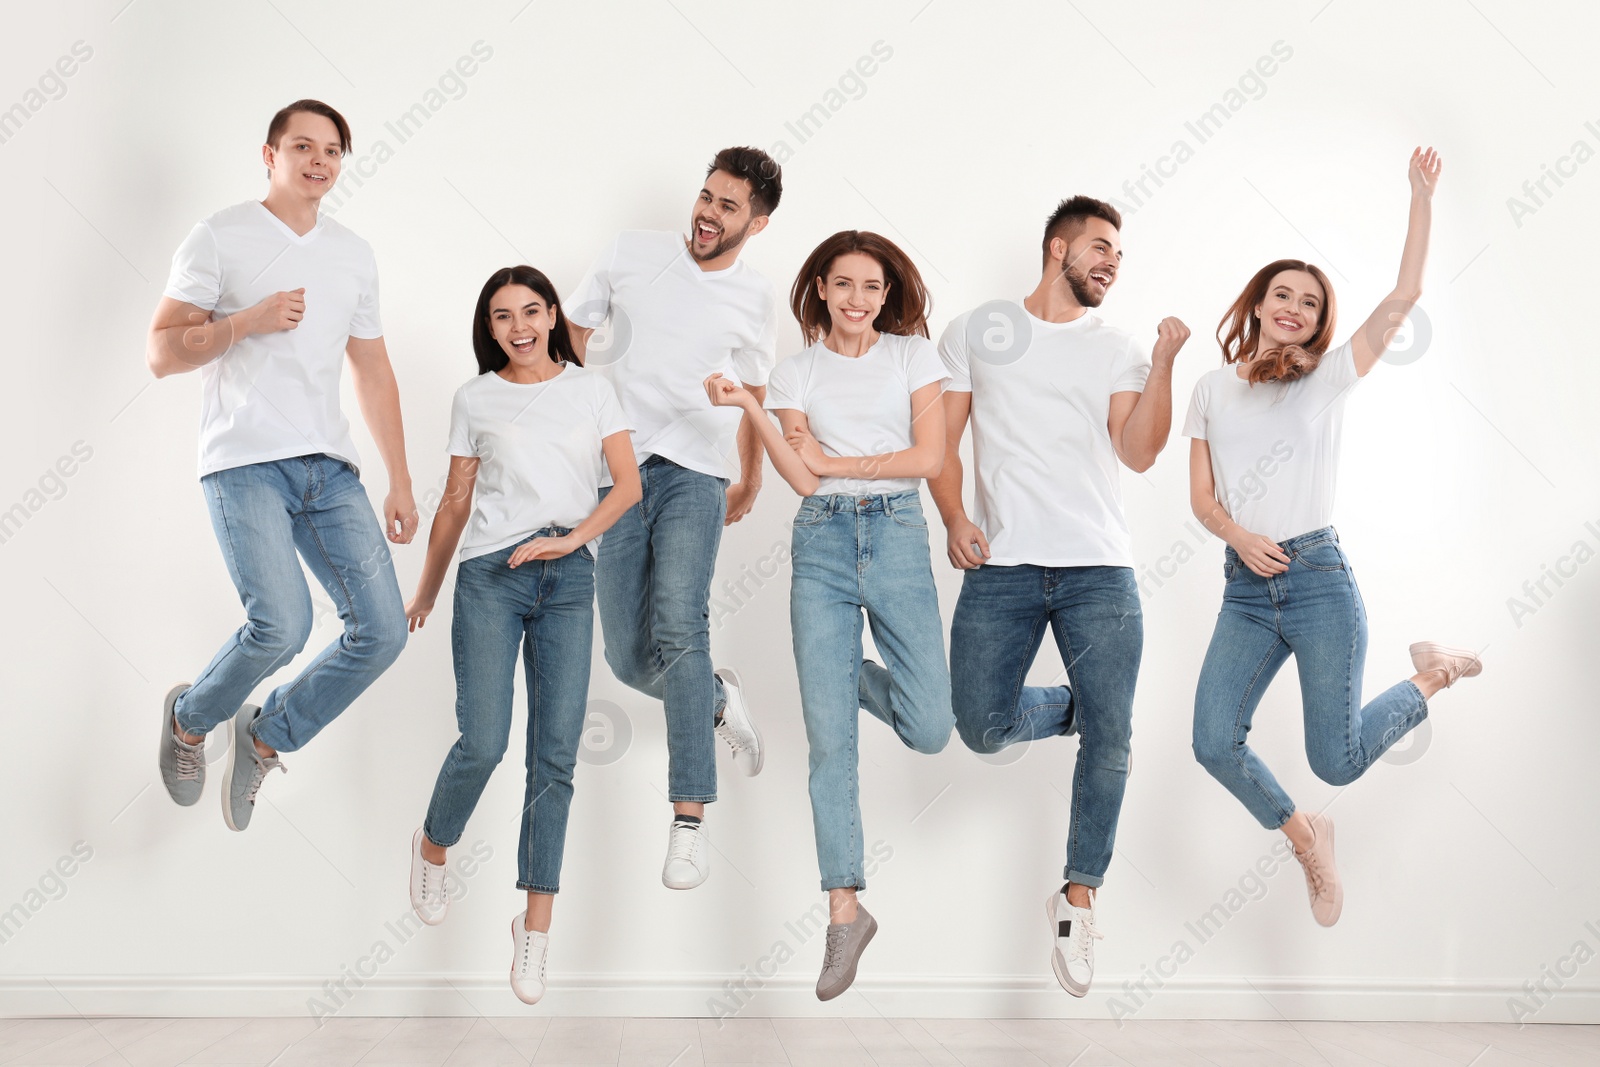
<point>1262,469</point>
<point>530,440</point>
<point>862,425</point>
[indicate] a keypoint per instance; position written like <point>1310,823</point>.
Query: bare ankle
<point>263,750</point>
<point>1079,896</point>
<point>433,853</point>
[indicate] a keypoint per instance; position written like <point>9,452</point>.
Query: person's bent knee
<point>283,637</point>
<point>1337,772</point>
<point>928,739</point>
<point>984,740</point>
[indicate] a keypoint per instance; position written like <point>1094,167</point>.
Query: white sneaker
<point>428,898</point>
<point>1074,931</point>
<point>741,735</point>
<point>529,949</point>
<point>687,864</point>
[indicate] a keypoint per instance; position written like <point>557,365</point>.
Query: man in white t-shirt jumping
<point>266,300</point>
<point>1057,399</point>
<point>679,310</point>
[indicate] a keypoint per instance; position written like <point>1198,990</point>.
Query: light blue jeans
<point>1314,612</point>
<point>653,587</point>
<point>263,513</point>
<point>1094,614</point>
<point>854,554</point>
<point>545,606</point>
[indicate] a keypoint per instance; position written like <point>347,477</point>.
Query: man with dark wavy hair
<point>681,309</point>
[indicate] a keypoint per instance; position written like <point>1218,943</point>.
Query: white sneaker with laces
<point>687,864</point>
<point>736,729</point>
<point>428,898</point>
<point>1074,932</point>
<point>529,949</point>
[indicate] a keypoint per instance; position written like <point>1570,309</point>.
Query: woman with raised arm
<point>530,438</point>
<point>1261,472</point>
<point>862,425</point>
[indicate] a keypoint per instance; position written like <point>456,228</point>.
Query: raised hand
<point>1424,171</point>
<point>1171,333</point>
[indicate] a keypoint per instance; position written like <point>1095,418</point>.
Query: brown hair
<point>906,306</point>
<point>1239,332</point>
<point>280,122</point>
<point>757,168</point>
<point>1067,220</point>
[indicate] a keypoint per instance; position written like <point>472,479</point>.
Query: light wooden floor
<point>485,1042</point>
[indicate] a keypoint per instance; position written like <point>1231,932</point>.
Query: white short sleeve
<point>1336,371</point>
<point>589,304</point>
<point>365,323</point>
<point>460,426</point>
<point>608,415</point>
<point>784,387</point>
<point>196,276</point>
<point>953,352</point>
<point>754,364</point>
<point>923,365</point>
<point>1135,370</point>
<point>1194,423</point>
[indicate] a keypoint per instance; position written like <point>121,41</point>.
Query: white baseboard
<point>708,996</point>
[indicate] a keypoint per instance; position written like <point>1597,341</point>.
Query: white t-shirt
<point>276,395</point>
<point>1275,446</point>
<point>538,447</point>
<point>672,326</point>
<point>858,406</point>
<point>1046,490</point>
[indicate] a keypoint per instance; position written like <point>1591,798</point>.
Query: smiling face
<point>721,218</point>
<point>1291,310</point>
<point>306,160</point>
<point>521,321</point>
<point>1091,260</point>
<point>854,288</point>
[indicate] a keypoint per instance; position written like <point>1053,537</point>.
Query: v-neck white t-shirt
<point>674,325</point>
<point>1275,445</point>
<point>276,395</point>
<point>538,447</point>
<point>1046,488</point>
<point>858,405</point>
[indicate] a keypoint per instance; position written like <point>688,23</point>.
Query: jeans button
<point>864,502</point>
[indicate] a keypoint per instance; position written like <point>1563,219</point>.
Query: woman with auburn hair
<point>1261,473</point>
<point>531,437</point>
<point>862,424</point>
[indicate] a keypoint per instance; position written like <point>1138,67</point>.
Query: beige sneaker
<point>1456,663</point>
<point>1322,876</point>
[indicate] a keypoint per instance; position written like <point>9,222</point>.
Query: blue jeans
<point>547,607</point>
<point>1099,629</point>
<point>653,585</point>
<point>1313,611</point>
<point>852,554</point>
<point>262,514</point>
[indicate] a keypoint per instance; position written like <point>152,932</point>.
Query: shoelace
<point>731,736</point>
<point>1082,931</point>
<point>1315,879</point>
<point>833,953</point>
<point>260,775</point>
<point>189,759</point>
<point>685,841</point>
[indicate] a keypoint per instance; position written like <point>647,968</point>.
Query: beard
<point>1082,289</point>
<point>726,242</point>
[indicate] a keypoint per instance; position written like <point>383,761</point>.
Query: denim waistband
<point>1300,541</point>
<point>864,504</point>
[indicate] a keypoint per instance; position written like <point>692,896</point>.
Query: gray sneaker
<point>246,771</point>
<point>183,766</point>
<point>846,942</point>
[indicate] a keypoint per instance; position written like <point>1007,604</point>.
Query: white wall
<point>1468,856</point>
